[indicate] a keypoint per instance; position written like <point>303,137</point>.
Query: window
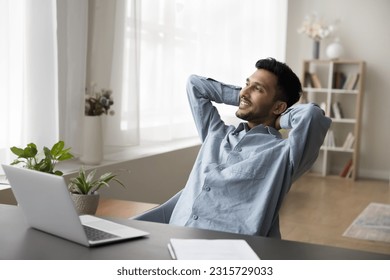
<point>144,50</point>
<point>28,74</point>
<point>175,38</point>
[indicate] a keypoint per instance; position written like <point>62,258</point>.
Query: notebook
<point>47,206</point>
<point>211,249</point>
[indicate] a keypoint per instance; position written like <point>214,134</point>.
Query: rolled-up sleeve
<point>308,127</point>
<point>201,92</point>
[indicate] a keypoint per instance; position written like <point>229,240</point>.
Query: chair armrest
<point>160,214</point>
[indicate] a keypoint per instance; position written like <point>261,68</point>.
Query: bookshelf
<point>338,87</point>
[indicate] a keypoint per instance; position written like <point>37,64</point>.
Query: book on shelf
<point>347,169</point>
<point>338,80</point>
<point>329,139</point>
<point>307,80</point>
<point>356,82</point>
<point>351,81</point>
<point>349,140</point>
<point>336,108</point>
<point>315,80</point>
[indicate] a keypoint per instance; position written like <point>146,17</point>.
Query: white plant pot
<point>85,204</point>
<point>92,140</point>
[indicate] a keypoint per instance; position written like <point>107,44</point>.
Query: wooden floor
<point>122,208</point>
<point>318,210</point>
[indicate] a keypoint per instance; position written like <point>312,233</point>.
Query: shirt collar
<point>258,129</point>
<point>242,126</point>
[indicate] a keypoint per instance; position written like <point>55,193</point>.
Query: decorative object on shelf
<point>31,159</point>
<point>316,49</point>
<point>335,50</point>
<point>92,140</point>
<point>315,28</point>
<point>84,190</point>
<point>97,103</point>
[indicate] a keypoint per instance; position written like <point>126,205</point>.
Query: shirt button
<point>207,189</point>
<point>239,149</point>
<point>195,217</point>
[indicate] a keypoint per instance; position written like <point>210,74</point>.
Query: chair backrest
<point>161,213</point>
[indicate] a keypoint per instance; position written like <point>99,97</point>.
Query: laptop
<point>47,206</point>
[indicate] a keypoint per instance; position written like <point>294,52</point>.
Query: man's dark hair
<point>289,87</point>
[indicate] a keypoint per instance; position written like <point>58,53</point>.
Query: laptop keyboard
<point>94,234</point>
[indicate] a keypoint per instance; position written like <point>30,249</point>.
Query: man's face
<point>257,99</point>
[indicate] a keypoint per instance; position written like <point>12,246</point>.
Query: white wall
<point>364,33</point>
<point>152,179</point>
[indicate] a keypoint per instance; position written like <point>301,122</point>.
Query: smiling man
<point>242,174</point>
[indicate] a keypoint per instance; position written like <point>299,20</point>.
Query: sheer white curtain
<point>72,37</point>
<point>143,49</point>
<point>124,78</point>
<point>159,43</point>
<point>28,74</point>
<point>42,72</point>
<point>113,59</point>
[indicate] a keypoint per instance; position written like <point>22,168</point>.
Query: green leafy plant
<point>31,159</point>
<point>86,184</point>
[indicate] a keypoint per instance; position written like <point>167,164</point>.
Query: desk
<point>17,241</point>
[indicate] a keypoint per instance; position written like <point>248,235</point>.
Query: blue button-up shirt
<point>241,175</point>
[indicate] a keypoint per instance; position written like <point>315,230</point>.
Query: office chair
<point>161,213</point>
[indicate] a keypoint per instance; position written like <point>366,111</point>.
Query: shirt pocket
<point>255,167</point>
<point>249,172</point>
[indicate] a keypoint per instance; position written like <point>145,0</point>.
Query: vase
<point>92,140</point>
<point>334,50</point>
<point>85,204</point>
<point>316,49</point>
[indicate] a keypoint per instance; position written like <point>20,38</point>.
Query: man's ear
<point>279,107</point>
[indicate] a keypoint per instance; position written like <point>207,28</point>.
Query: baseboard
<point>374,174</point>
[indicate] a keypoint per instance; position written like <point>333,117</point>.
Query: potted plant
<point>84,187</point>
<point>31,159</point>
<point>97,104</point>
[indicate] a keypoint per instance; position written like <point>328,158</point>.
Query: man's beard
<point>241,115</point>
<point>245,115</point>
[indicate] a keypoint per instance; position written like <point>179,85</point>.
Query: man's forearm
<point>308,129</point>
<point>201,92</point>
<point>213,90</point>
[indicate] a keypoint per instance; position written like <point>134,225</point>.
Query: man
<point>242,174</point>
